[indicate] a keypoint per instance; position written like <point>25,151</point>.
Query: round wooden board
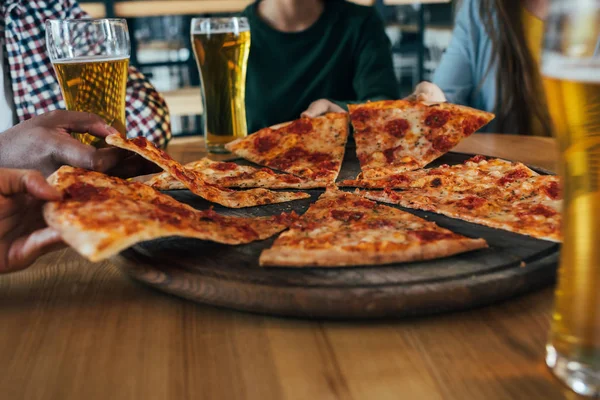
<point>229,276</point>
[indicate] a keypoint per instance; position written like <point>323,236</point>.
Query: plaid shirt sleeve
<point>34,84</point>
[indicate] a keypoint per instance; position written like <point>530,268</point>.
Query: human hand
<point>320,107</point>
<point>24,235</point>
<point>427,92</point>
<point>44,143</point>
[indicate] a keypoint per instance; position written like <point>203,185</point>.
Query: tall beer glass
<point>221,46</point>
<point>91,59</point>
<point>571,60</point>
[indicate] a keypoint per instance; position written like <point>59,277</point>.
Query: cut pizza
<point>478,170</point>
<point>99,216</point>
<point>310,148</point>
<point>232,175</point>
<point>397,136</point>
<point>193,181</point>
<point>529,206</point>
<point>345,229</point>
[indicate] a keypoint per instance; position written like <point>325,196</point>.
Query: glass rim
<point>196,19</point>
<point>81,20</point>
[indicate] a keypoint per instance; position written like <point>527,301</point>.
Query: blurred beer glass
<point>221,46</point>
<point>91,59</point>
<point>571,61</point>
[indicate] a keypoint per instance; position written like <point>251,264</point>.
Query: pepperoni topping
<point>431,236</point>
<point>246,231</point>
<point>389,154</point>
<point>363,158</point>
<point>539,209</point>
<point>442,143</point>
<point>512,176</point>
<point>224,166</point>
<point>265,143</point>
<point>347,216</point>
<point>286,219</point>
<point>286,160</point>
<point>140,142</point>
<point>396,180</point>
<point>364,203</point>
<point>397,127</point>
<point>552,190</point>
<point>81,191</point>
<point>290,178</point>
<point>361,114</point>
<point>436,182</point>
<point>318,157</point>
<point>471,202</point>
<point>471,124</point>
<point>304,225</point>
<point>437,118</point>
<point>300,126</point>
<point>172,210</point>
<point>477,159</point>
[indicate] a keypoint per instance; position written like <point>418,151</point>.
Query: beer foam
<point>90,59</point>
<point>557,66</point>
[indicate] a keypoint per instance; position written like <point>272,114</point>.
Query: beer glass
<point>221,46</point>
<point>571,64</point>
<point>91,59</point>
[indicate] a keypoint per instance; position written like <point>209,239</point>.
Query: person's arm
<point>374,78</point>
<point>455,74</point>
<point>146,110</point>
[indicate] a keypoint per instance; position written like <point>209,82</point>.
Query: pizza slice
<point>529,206</point>
<point>345,229</point>
<point>398,136</point>
<point>311,148</point>
<point>232,175</point>
<point>194,182</point>
<point>477,170</point>
<point>99,216</point>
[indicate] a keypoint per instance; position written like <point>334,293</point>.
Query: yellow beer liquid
<point>98,86</point>
<point>222,59</point>
<point>575,109</point>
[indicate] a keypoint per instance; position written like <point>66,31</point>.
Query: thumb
<point>320,107</point>
<point>76,154</point>
<point>25,250</point>
<point>15,181</point>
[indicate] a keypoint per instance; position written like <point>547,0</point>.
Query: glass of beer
<point>571,63</point>
<point>221,46</point>
<point>91,59</point>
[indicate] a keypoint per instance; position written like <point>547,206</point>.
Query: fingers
<point>72,152</point>
<point>75,121</point>
<point>427,92</point>
<point>25,250</point>
<point>320,107</point>
<point>16,181</point>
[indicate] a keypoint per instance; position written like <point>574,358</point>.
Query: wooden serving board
<point>229,276</point>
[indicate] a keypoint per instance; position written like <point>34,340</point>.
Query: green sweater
<point>344,57</point>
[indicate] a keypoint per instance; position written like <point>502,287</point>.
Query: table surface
<point>70,329</point>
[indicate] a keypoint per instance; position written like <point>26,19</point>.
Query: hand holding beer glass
<point>221,46</point>
<point>571,61</point>
<point>91,60</point>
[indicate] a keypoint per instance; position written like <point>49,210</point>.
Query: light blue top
<point>465,63</point>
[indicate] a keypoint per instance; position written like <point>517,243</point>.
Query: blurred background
<point>160,43</point>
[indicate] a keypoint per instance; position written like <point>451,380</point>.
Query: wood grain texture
<point>72,330</point>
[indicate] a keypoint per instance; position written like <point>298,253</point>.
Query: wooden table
<point>70,329</point>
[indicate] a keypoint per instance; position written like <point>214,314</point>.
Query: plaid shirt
<point>34,84</point>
